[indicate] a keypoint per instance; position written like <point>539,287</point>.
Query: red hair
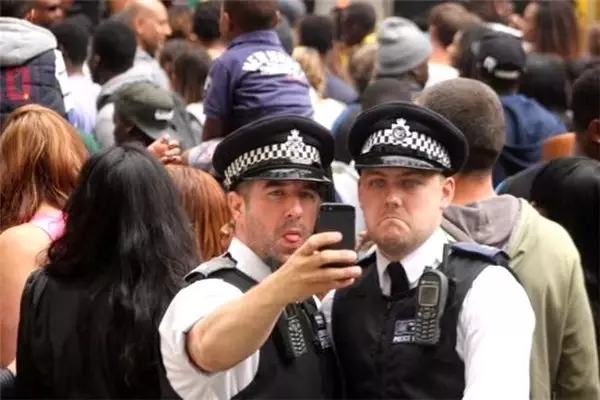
<point>41,155</point>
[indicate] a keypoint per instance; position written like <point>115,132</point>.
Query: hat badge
<point>294,141</point>
<point>400,129</point>
<point>296,148</point>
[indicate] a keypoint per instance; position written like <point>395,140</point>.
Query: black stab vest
<point>314,375</point>
<point>365,322</point>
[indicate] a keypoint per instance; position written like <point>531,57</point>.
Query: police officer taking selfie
<point>428,318</point>
<point>247,326</point>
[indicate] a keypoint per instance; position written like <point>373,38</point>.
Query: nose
<point>167,30</point>
<point>393,199</point>
<point>294,209</point>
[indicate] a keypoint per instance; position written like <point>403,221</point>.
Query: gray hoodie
<point>22,41</point>
<point>104,130</point>
<point>564,359</point>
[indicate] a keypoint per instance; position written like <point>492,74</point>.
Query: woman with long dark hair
<point>551,26</point>
<point>89,319</point>
<point>567,191</point>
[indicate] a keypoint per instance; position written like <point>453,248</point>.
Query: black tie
<point>398,277</point>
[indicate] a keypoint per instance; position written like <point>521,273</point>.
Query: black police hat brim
<point>433,125</point>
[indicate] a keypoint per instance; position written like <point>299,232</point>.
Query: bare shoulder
<point>24,240</point>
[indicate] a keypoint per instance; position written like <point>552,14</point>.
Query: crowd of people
<point>163,165</point>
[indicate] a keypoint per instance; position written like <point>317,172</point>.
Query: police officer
<point>426,319</point>
<point>246,326</point>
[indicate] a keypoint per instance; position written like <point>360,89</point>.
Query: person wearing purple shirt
<point>255,77</point>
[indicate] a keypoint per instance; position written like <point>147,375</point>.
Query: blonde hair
<point>41,155</point>
<point>310,61</point>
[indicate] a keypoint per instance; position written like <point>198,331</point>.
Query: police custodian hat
<point>403,134</point>
<point>282,147</point>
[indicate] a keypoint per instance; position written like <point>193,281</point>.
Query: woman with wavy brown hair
<point>41,155</point>
<point>551,27</point>
<point>206,205</point>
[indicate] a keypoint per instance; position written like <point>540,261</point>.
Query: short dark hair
<point>206,20</point>
<point>362,14</point>
<point>476,110</point>
<point>545,80</point>
<point>385,90</point>
<point>15,8</point>
<point>449,18</point>
<point>252,15</point>
<point>502,86</point>
<point>73,39</point>
<point>317,31</point>
<point>585,103</point>
<point>115,43</point>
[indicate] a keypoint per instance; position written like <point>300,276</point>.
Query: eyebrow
<point>280,184</point>
<point>407,174</point>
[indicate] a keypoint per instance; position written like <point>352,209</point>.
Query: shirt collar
<point>141,54</point>
<point>263,36</point>
<point>247,261</point>
<point>429,254</point>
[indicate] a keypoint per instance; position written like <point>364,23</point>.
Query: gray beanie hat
<point>402,47</point>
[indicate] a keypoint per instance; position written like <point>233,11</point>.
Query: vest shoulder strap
<point>492,255</point>
<point>467,260</point>
<point>367,260</point>
<point>222,267</point>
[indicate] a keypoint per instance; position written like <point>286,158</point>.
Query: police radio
<point>432,294</point>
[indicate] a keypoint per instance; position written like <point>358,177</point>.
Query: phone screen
<point>335,217</point>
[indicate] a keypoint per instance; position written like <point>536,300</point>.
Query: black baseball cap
<point>501,56</point>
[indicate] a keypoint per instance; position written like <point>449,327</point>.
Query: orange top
<point>558,146</point>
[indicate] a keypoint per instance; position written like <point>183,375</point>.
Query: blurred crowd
<point>129,129</point>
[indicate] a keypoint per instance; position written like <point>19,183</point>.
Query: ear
<point>30,16</point>
<point>63,51</point>
<point>448,185</point>
<point>236,205</point>
<point>432,32</point>
<point>594,131</point>
<point>360,189</point>
<point>138,23</point>
<point>277,19</point>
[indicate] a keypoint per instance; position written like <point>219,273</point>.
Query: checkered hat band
<point>303,154</point>
<point>431,149</point>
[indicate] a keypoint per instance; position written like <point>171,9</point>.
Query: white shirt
<point>326,111</point>
<point>191,305</point>
<point>439,73</point>
<point>495,324</point>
